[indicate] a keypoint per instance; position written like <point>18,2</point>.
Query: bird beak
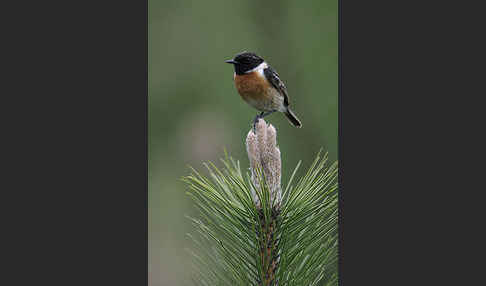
<point>231,61</point>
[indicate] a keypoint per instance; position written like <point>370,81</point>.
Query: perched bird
<point>261,87</point>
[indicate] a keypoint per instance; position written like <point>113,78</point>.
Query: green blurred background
<point>195,111</point>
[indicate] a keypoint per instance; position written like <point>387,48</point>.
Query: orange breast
<point>253,88</point>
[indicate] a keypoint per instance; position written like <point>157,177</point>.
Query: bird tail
<point>292,118</point>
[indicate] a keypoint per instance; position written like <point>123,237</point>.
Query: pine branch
<point>250,233</point>
<point>265,166</point>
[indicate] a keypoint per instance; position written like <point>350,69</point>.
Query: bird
<point>261,87</point>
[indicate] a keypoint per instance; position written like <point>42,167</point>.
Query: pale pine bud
<point>264,154</point>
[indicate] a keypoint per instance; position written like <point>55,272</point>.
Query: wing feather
<point>273,77</point>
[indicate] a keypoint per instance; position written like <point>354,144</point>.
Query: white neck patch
<point>259,68</point>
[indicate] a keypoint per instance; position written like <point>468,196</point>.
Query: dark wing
<point>274,79</point>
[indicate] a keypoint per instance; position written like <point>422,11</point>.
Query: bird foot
<point>255,121</point>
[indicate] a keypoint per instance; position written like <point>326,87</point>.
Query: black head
<point>245,61</point>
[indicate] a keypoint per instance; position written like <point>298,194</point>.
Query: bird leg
<point>266,113</point>
<point>255,121</point>
<point>260,116</point>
